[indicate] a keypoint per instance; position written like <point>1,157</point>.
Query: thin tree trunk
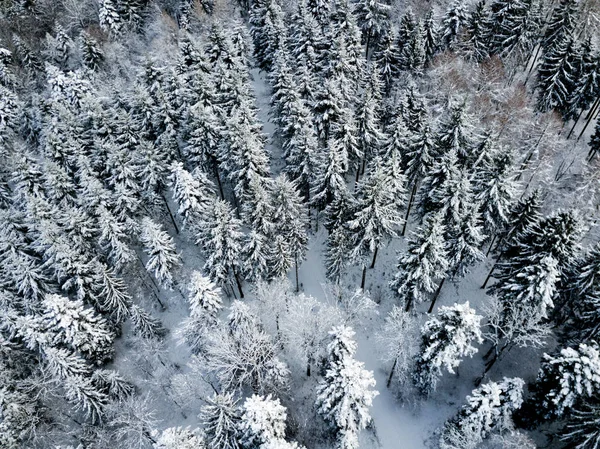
<point>297,282</point>
<point>533,64</point>
<point>593,108</point>
<point>357,177</point>
<point>389,381</point>
<point>575,124</point>
<point>586,125</point>
<point>239,284</point>
<point>435,297</point>
<point>218,176</point>
<point>367,45</point>
<point>364,277</point>
<point>491,245</point>
<point>170,213</point>
<point>408,305</point>
<point>410,203</point>
<point>374,257</point>
<point>487,279</point>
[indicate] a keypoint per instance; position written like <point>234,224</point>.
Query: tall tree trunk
<point>218,177</point>
<point>374,257</point>
<point>591,116</point>
<point>239,284</point>
<point>487,279</point>
<point>364,277</point>
<point>435,297</point>
<point>409,303</point>
<point>297,282</point>
<point>491,245</point>
<point>593,108</point>
<point>410,203</point>
<point>575,124</point>
<point>533,64</point>
<point>170,213</point>
<point>389,381</point>
<point>367,45</point>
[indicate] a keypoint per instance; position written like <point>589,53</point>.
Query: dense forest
<point>299,224</point>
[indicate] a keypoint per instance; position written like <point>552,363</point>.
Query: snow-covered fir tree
<point>488,409</point>
<point>344,395</point>
<point>161,251</point>
<point>446,338</point>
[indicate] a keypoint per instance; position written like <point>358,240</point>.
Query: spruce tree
<point>476,43</point>
<point>220,236</point>
<point>556,75</point>
<point>566,380</point>
<point>290,219</point>
<point>221,417</point>
<point>424,262</point>
<point>192,191</point>
<point>446,339</point>
<point>387,57</point>
<point>453,22</point>
<point>377,214</point>
<point>562,23</point>
<point>161,251</point>
<point>344,395</point>
<point>372,16</point>
<point>488,409</point>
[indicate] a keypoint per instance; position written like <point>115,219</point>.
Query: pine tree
<point>594,142</point>
<point>446,339</point>
<point>562,23</point>
<point>534,262</point>
<point>372,17</point>
<point>556,75</point>
<point>221,238</point>
<point>67,322</point>
<point>587,76</point>
<point>377,212</point>
<point>110,18</point>
<point>456,133</point>
<point>496,191</point>
<point>205,304</point>
<point>387,56</point>
<point>290,218</point>
<point>262,420</point>
<point>337,253</point>
<point>257,245</point>
<point>424,262</point>
<point>221,417</point>
<point>566,379</point>
<point>161,251</point>
<point>476,43</point>
<point>268,31</point>
<point>505,21</point>
<point>368,116</point>
<point>430,33</point>
<point>453,22</point>
<point>329,181</point>
<point>193,192</point>
<point>413,54</point>
<point>206,132</point>
<point>244,157</point>
<point>344,395</point>
<point>582,428</point>
<point>488,409</point>
<point>178,438</point>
